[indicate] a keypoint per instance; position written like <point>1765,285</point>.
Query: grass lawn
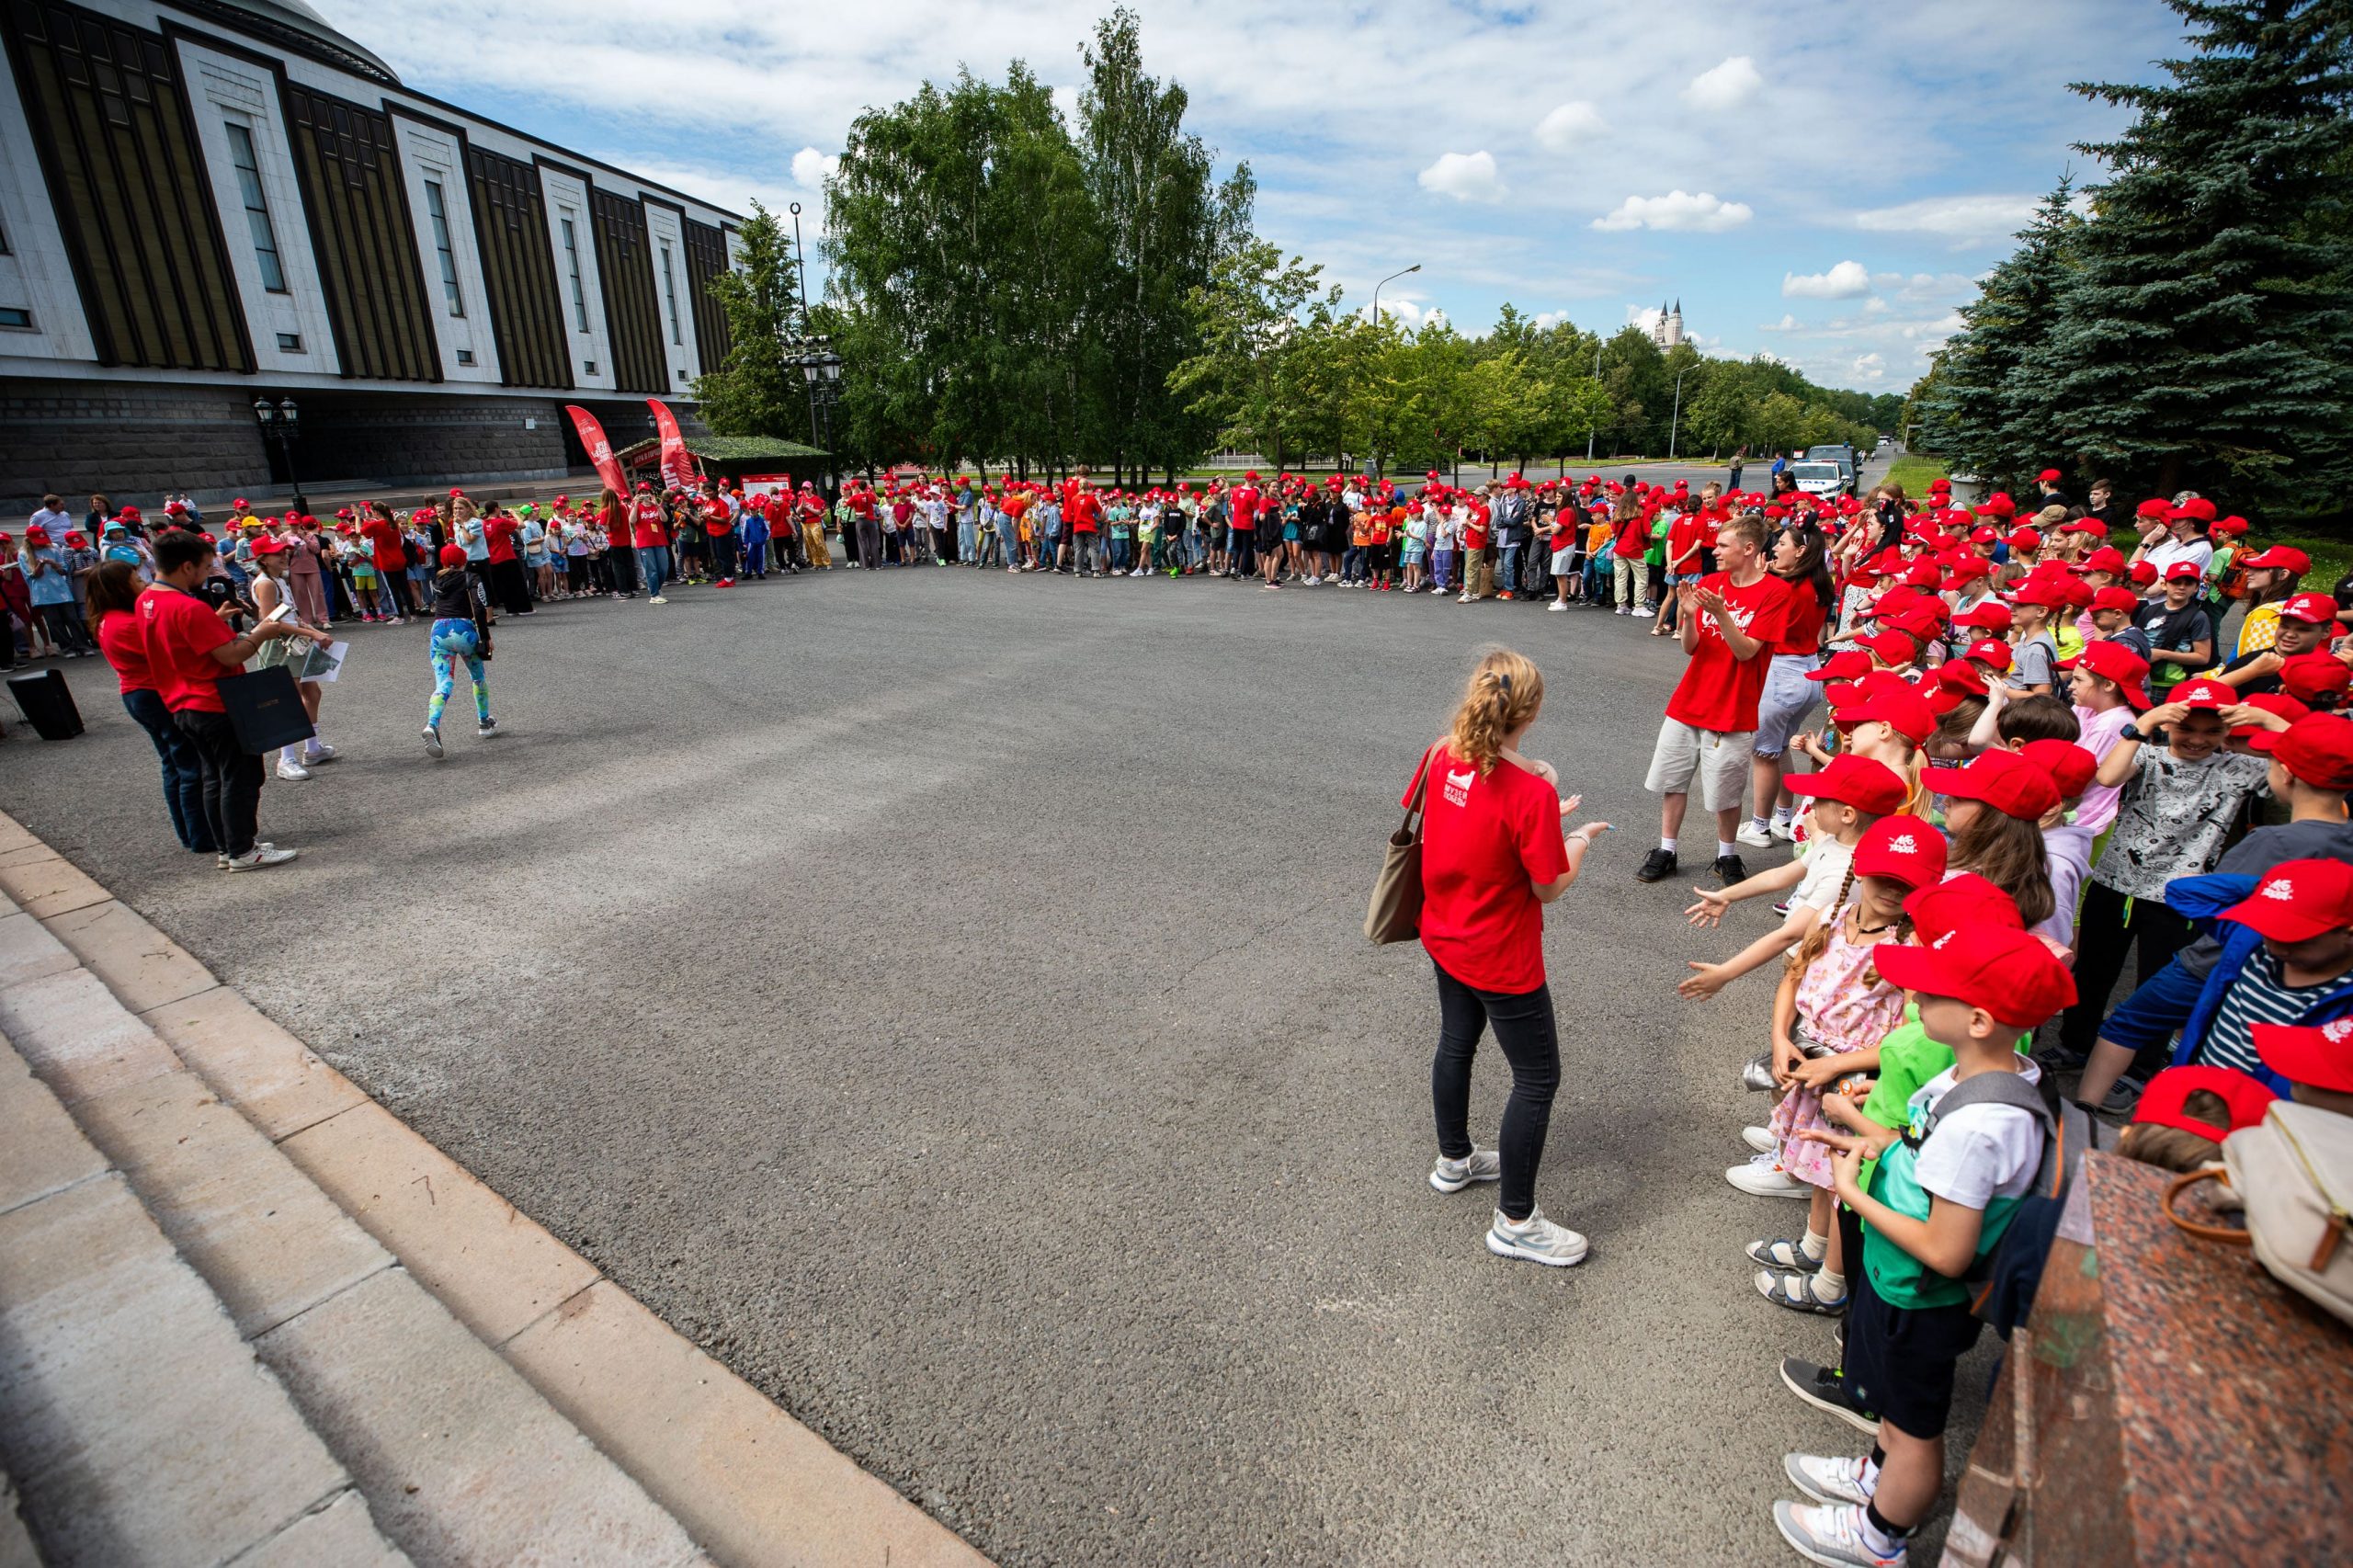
<point>1916,473</point>
<point>2332,557</point>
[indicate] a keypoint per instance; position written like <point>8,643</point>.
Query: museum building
<point>208,203</point>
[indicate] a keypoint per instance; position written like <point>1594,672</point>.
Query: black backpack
<point>2002,1282</point>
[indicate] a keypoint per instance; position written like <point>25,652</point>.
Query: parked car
<point>1821,476</point>
<point>1843,455</point>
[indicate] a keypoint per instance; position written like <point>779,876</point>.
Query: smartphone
<point>283,612</point>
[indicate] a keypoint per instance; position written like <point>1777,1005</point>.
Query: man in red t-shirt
<point>650,538</point>
<point>1731,622</point>
<point>1242,526</point>
<point>719,526</point>
<point>383,536</point>
<point>507,582</point>
<point>189,647</point>
<point>1083,516</point>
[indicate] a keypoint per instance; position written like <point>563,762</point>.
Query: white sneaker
<point>1759,1139</point>
<point>1754,837</point>
<point>1785,829</point>
<point>487,728</point>
<point>433,742</point>
<point>1827,1480</point>
<point>317,753</point>
<point>1536,1239</point>
<point>1621,610</point>
<point>1313,581</point>
<point>1453,1176</point>
<point>657,599</point>
<point>1832,1534</point>
<point>261,855</point>
<point>1558,605</point>
<point>1764,1177</point>
<point>294,771</point>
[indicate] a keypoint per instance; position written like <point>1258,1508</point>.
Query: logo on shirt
<point>1938,944</point>
<point>1458,787</point>
<point>2336,1032</point>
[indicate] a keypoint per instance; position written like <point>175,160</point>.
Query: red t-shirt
<point>1484,841</point>
<point>1802,633</point>
<point>179,631</point>
<point>715,520</point>
<point>1719,692</point>
<point>1633,537</point>
<point>615,522</point>
<point>1085,512</point>
<point>499,534</point>
<point>1683,534</point>
<point>647,529</point>
<point>386,537</point>
<point>120,641</point>
<point>1474,532</point>
<point>1243,506</point>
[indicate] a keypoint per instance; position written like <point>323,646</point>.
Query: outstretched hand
<point>1709,910</point>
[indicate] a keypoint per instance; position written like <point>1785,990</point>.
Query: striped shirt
<point>2258,997</point>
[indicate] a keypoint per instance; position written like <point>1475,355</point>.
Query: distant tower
<point>1668,331</point>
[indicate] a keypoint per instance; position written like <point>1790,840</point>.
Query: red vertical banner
<point>677,463</point>
<point>600,450</point>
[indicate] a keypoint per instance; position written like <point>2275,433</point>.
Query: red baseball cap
<point>2106,558</point>
<point>2298,899</point>
<point>2316,678</point>
<point>2183,572</point>
<point>1960,677</point>
<point>1962,899</point>
<point>2010,975</point>
<point>2194,694</point>
<point>267,545</point>
<point>2048,476</point>
<point>1856,781</point>
<point>2278,702</point>
<point>1899,707</point>
<point>1901,849</point>
<point>1848,663</point>
<point>2294,560</point>
<point>2002,780</point>
<point>1892,646</point>
<point>2318,1054</point>
<point>2070,766</point>
<point>1996,654</point>
<point>2113,661</point>
<point>2124,600</point>
<point>2317,749</point>
<point>2317,609</point>
<point>1987,616</point>
<point>2244,1098</point>
<point>453,555</point>
<point>2026,539</point>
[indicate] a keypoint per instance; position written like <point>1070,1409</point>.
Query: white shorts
<point>1561,560</point>
<point>1719,762</point>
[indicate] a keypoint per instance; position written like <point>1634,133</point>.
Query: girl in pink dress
<point>1828,1020</point>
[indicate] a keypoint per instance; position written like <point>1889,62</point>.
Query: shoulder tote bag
<point>266,710</point>
<point>1396,912</point>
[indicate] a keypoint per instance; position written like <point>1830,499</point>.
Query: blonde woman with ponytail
<point>1493,855</point>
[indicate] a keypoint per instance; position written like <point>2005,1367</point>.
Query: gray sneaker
<point>1832,1534</point>
<point>1827,1480</point>
<point>1453,1176</point>
<point>1536,1239</point>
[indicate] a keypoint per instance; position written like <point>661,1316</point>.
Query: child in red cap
<point>1940,1197</point>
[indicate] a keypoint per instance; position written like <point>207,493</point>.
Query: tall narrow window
<point>572,260</point>
<point>264,237</point>
<point>438,210</point>
<point>670,292</point>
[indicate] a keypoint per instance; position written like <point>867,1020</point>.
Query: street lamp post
<point>1677,414</point>
<point>1591,430</point>
<point>280,421</point>
<point>1373,469</point>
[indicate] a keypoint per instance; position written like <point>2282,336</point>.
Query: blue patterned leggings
<point>452,641</point>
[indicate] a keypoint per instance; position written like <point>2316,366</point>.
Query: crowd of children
<point>2038,762</point>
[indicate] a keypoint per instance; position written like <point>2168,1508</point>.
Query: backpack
<point>2002,1281</point>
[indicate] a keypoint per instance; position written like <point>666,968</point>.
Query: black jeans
<point>2105,936</point>
<point>723,554</point>
<point>1523,1025</point>
<point>232,778</point>
<point>182,774</point>
<point>509,590</point>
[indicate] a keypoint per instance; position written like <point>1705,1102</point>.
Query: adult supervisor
<point>1493,855</point>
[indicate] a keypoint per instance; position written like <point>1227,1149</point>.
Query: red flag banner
<point>600,450</point>
<point>678,464</point>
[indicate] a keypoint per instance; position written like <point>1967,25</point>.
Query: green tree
<point>754,392</point>
<point>1248,322</point>
<point>1982,416</point>
<point>2205,338</point>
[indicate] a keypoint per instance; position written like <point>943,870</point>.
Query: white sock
<point>1815,1245</point>
<point>1726,847</point>
<point>1667,845</point>
<point>1829,1286</point>
<point>1782,813</point>
<point>290,755</point>
<point>1757,822</point>
<point>311,748</point>
<point>1869,1480</point>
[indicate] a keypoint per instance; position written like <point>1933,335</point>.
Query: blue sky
<point>1821,181</point>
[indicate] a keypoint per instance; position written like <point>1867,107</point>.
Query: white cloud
<point>1846,281</point>
<point>1568,126</point>
<point>1705,212</point>
<point>811,167</point>
<point>1963,219</point>
<point>1466,176</point>
<point>1724,86</point>
<point>1874,306</point>
<point>1870,366</point>
<point>1787,324</point>
<point>1545,320</point>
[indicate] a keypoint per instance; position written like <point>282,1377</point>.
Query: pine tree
<point>1991,412</point>
<point>2205,338</point>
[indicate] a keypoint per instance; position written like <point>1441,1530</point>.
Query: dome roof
<point>295,25</point>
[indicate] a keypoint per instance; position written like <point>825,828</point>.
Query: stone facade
<point>138,443</point>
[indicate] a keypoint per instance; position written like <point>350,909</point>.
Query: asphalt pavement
<point>942,996</point>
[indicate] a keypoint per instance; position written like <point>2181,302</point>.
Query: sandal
<point>1784,1254</point>
<point>1795,1291</point>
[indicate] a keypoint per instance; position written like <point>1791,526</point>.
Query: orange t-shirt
<point>1360,530</point>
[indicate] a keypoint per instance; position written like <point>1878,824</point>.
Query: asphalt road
<point>942,996</point>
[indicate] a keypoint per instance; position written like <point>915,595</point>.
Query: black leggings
<point>1523,1025</point>
<point>2105,936</point>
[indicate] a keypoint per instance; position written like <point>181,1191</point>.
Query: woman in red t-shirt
<point>620,546</point>
<point>1800,557</point>
<point>1493,855</point>
<point>114,599</point>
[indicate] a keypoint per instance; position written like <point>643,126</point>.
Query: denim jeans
<point>183,777</point>
<point>1523,1025</point>
<point>968,540</point>
<point>1122,554</point>
<point>1508,570</point>
<point>652,566</point>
